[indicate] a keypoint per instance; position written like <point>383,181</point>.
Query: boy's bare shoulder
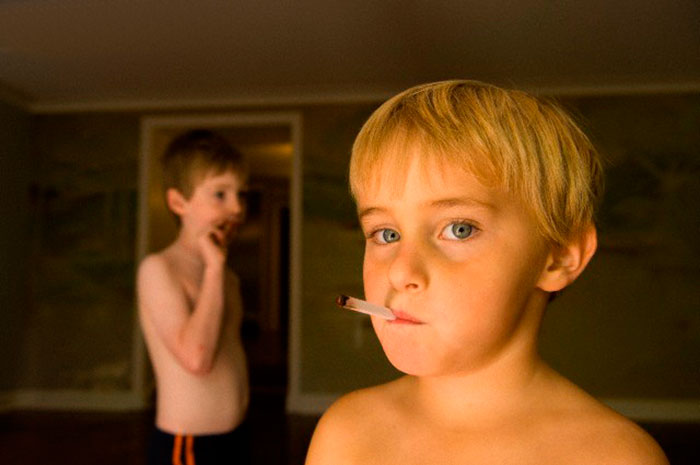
<point>587,431</point>
<point>156,280</point>
<point>365,403</point>
<point>356,423</point>
<point>612,439</point>
<point>630,445</point>
<point>359,408</point>
<point>153,266</point>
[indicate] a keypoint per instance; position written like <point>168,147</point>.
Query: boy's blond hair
<point>526,145</point>
<point>195,154</point>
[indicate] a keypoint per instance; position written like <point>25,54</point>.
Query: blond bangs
<point>380,154</point>
<point>527,146</point>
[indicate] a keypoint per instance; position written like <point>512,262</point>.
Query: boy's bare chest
<point>191,284</point>
<point>421,445</point>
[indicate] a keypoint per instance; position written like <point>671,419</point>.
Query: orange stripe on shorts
<point>190,450</point>
<point>177,450</point>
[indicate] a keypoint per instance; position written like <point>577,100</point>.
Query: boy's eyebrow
<point>441,203</point>
<point>460,202</point>
<point>369,211</point>
<point>222,184</point>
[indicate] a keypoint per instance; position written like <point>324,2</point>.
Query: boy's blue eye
<point>458,231</point>
<point>386,236</point>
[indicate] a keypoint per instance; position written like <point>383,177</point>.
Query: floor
<point>33,438</point>
<point>57,438</point>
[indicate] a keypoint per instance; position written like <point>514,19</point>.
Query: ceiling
<point>109,53</point>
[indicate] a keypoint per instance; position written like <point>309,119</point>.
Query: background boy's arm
<point>191,336</point>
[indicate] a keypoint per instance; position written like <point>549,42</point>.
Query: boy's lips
<point>405,318</point>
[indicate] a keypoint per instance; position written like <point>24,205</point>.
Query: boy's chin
<point>410,363</point>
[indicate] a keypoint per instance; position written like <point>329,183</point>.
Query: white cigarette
<point>357,305</point>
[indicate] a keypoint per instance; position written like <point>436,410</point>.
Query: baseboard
<point>5,401</point>
<point>73,400</point>
<point>641,410</point>
<point>657,410</point>
<point>14,97</point>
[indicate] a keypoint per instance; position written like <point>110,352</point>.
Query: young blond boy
<point>477,205</point>
<point>190,308</point>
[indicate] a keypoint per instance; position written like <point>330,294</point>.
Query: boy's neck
<point>489,393</point>
<point>484,397</point>
<point>188,250</point>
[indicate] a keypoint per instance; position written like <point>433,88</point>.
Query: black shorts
<point>231,448</point>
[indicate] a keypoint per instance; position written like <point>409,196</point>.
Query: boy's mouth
<point>405,318</point>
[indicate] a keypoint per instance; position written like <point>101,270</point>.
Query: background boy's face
<point>216,203</point>
<point>458,262</point>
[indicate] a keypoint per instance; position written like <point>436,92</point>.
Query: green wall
<point>339,349</point>
<point>15,175</point>
<point>84,223</point>
<point>631,326</point>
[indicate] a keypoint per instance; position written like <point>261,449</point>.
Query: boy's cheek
<point>373,283</point>
<point>369,265</point>
<point>378,257</point>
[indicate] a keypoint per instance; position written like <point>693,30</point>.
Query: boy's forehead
<point>388,172</point>
<point>429,180</point>
<point>213,176</point>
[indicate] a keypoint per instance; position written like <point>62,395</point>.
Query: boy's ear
<point>566,262</point>
<point>175,200</point>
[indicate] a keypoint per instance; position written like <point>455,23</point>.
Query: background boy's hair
<point>527,145</point>
<point>193,155</point>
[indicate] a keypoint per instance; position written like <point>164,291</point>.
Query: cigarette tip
<point>341,300</point>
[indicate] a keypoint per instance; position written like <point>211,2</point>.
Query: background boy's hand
<point>213,247</point>
<point>229,230</point>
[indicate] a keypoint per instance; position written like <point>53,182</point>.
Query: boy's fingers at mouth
<point>219,239</point>
<point>214,238</point>
<point>228,229</point>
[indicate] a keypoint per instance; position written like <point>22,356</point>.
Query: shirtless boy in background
<point>190,308</point>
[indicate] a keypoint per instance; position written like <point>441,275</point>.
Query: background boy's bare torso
<point>210,403</point>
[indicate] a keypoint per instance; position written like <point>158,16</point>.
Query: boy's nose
<point>236,206</point>
<point>407,271</point>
